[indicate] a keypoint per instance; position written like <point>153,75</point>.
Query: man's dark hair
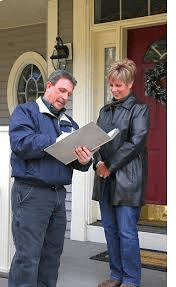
<point>58,74</point>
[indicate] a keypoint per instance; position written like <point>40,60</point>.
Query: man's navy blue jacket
<point>32,128</point>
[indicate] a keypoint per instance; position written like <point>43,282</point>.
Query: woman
<point>120,167</point>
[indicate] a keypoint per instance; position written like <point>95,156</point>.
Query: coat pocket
<point>129,177</point>
<point>98,188</point>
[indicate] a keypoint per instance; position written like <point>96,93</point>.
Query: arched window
<point>26,80</point>
<point>30,85</point>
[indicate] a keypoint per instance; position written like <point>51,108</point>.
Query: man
<point>38,192</point>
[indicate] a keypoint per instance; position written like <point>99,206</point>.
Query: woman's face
<point>118,89</point>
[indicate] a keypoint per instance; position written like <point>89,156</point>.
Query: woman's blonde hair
<point>123,70</point>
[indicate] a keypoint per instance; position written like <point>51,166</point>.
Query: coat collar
<point>127,103</point>
<point>44,110</point>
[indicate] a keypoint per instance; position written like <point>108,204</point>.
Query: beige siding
<point>4,113</point>
<point>14,42</point>
<point>66,20</point>
<point>68,209</point>
<point>65,31</point>
<point>65,26</point>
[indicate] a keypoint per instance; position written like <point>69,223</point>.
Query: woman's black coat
<point>125,155</point>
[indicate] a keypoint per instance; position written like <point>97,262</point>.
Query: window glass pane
<point>158,7</point>
<point>134,9</point>
<point>156,74</point>
<point>27,71</point>
<point>40,84</point>
<point>35,72</point>
<point>106,11</point>
<point>31,90</point>
<point>30,85</point>
<point>110,56</point>
<point>22,84</point>
<point>157,51</point>
<point>21,98</point>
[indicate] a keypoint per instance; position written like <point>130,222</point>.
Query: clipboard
<point>90,136</point>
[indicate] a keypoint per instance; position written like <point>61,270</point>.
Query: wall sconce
<point>60,55</point>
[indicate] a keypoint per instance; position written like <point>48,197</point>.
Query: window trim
<point>15,73</point>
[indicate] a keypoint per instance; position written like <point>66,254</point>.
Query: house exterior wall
<point>14,42</point>
<point>65,20</point>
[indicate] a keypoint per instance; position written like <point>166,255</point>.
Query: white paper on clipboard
<point>90,136</point>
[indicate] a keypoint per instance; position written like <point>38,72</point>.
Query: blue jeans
<point>120,226</point>
<point>38,226</point>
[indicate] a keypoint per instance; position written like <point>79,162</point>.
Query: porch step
<point>150,237</point>
<point>143,227</point>
<point>152,229</point>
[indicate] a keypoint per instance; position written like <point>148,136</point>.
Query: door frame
<point>84,210</point>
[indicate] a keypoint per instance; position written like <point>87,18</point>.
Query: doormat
<point>150,259</point>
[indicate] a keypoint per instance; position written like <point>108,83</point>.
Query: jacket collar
<point>127,103</point>
<point>44,110</point>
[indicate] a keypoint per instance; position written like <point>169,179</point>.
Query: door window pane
<point>110,56</point>
<point>157,51</point>
<point>156,75</point>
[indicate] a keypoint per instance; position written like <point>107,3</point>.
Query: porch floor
<point>77,270</point>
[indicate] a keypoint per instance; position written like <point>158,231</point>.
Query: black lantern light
<point>60,55</point>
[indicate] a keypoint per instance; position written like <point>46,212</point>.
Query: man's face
<point>59,93</point>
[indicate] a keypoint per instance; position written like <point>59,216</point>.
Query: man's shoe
<point>110,283</point>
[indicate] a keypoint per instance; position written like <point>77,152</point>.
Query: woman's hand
<point>82,154</point>
<point>102,170</point>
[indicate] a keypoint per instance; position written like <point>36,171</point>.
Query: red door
<point>139,41</point>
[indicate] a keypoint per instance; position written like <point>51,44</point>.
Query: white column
<point>82,113</point>
<point>6,243</point>
<point>52,31</point>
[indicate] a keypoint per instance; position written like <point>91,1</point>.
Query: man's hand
<point>82,154</point>
<point>102,170</point>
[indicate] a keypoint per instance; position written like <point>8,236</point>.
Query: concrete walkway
<point>77,270</point>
